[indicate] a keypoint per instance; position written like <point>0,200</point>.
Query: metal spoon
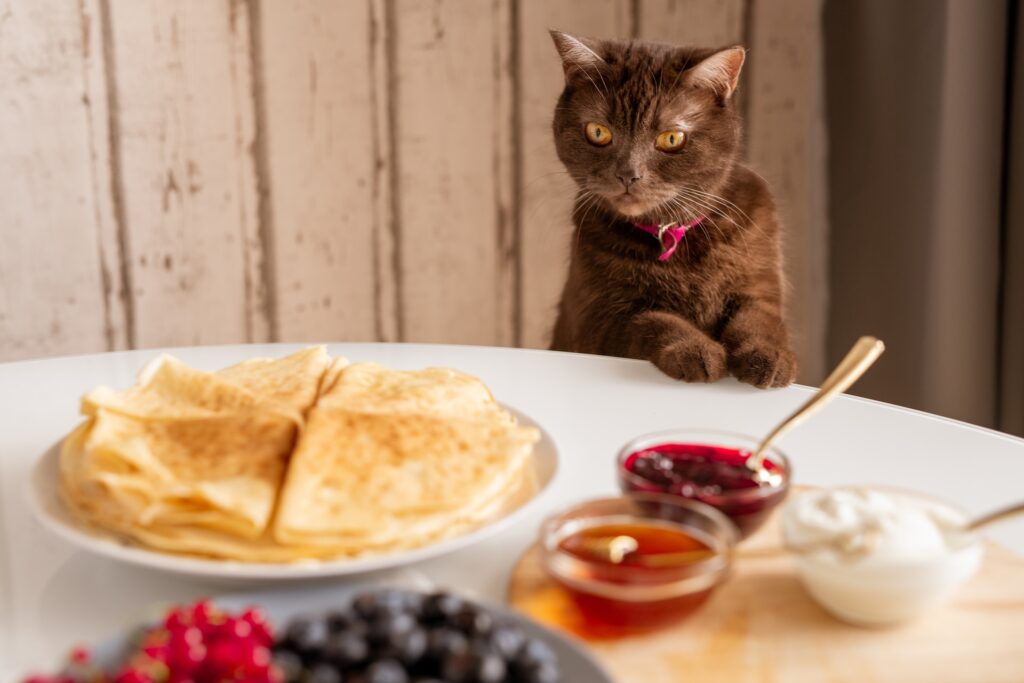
<point>996,516</point>
<point>861,357</point>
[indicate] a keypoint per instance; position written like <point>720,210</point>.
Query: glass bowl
<point>748,508</point>
<point>616,599</point>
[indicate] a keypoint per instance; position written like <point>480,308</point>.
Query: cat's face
<point>647,130</point>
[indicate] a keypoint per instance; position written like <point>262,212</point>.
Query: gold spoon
<point>616,549</point>
<point>861,357</point>
<point>996,516</point>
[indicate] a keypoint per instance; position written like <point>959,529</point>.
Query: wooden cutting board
<point>761,627</point>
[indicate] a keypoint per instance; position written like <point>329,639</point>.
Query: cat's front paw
<point>693,359</point>
<point>763,365</point>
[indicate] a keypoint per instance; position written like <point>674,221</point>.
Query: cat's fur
<point>714,306</point>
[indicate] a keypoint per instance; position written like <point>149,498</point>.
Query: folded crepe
<point>393,458</point>
<point>190,449</point>
<point>293,459</point>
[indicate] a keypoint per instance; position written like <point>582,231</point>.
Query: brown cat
<point>676,256</point>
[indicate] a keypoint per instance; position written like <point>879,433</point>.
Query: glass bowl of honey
<point>710,467</point>
<point>638,562</point>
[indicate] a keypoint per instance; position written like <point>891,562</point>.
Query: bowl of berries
<point>335,635</point>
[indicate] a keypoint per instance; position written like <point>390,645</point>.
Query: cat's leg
<point>758,345</point>
<point>676,346</point>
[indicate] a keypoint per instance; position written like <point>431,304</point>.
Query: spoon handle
<point>861,357</point>
<point>997,516</point>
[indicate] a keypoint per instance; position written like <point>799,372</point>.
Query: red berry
<point>79,655</point>
<point>158,653</point>
<point>224,654</point>
<point>204,614</point>
<point>238,628</point>
<point>175,620</point>
<point>189,637</point>
<point>259,658</point>
<point>133,676</point>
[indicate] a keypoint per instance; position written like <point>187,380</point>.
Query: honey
<point>645,590</point>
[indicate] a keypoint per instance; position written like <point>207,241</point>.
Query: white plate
<point>50,510</point>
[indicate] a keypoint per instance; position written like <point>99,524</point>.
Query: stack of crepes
<point>299,458</point>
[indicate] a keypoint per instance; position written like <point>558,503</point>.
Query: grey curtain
<point>925,174</point>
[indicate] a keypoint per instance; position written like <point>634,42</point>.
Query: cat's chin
<point>629,206</point>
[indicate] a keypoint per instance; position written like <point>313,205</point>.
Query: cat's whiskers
<point>705,200</point>
<point>590,201</point>
<point>726,209</point>
<point>719,198</point>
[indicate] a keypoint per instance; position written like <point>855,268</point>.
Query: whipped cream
<point>877,557</point>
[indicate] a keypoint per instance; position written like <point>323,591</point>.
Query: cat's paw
<point>763,365</point>
<point>692,359</point>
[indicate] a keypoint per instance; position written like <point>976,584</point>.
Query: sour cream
<point>875,557</point>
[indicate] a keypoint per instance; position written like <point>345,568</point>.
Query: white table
<point>52,596</point>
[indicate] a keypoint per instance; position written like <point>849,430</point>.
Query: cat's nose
<point>628,176</point>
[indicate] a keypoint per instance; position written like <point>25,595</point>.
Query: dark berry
<point>507,640</point>
<point>388,628</point>
<point>386,671</point>
<point>473,621</point>
<point>442,606</point>
<point>340,620</point>
<point>442,642</point>
<point>490,668</point>
<point>410,646</point>
<point>546,672</point>
<point>366,605</point>
<point>289,664</point>
<point>323,673</point>
<point>346,649</point>
<point>459,667</point>
<point>297,629</point>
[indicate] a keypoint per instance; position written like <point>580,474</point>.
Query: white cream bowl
<point>895,573</point>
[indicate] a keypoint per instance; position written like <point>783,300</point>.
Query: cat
<point>676,254</point>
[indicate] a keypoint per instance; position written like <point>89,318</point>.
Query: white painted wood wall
<point>198,171</point>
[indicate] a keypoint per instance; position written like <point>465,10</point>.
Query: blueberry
<point>290,665</point>
<point>442,606</point>
<point>365,605</point>
<point>459,667</point>
<point>410,646</point>
<point>490,667</point>
<point>507,640</point>
<point>346,649</point>
<point>340,620</point>
<point>542,673</point>
<point>296,630</point>
<point>473,621</point>
<point>386,671</point>
<point>388,628</point>
<point>323,673</point>
<point>442,642</point>
<point>307,636</point>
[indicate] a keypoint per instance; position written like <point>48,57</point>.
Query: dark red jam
<point>715,475</point>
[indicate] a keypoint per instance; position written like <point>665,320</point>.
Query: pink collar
<point>674,232</point>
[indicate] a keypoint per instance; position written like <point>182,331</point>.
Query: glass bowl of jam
<point>636,563</point>
<point>710,467</point>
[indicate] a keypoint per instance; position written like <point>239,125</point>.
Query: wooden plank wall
<point>195,172</point>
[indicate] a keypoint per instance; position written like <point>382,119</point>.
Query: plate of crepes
<point>290,468</point>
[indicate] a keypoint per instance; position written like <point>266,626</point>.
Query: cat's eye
<point>671,141</point>
<point>598,135</point>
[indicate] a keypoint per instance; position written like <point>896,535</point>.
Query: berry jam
<point>715,475</point>
<point>602,616</point>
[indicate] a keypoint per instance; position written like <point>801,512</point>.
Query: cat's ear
<point>720,72</point>
<point>579,55</point>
